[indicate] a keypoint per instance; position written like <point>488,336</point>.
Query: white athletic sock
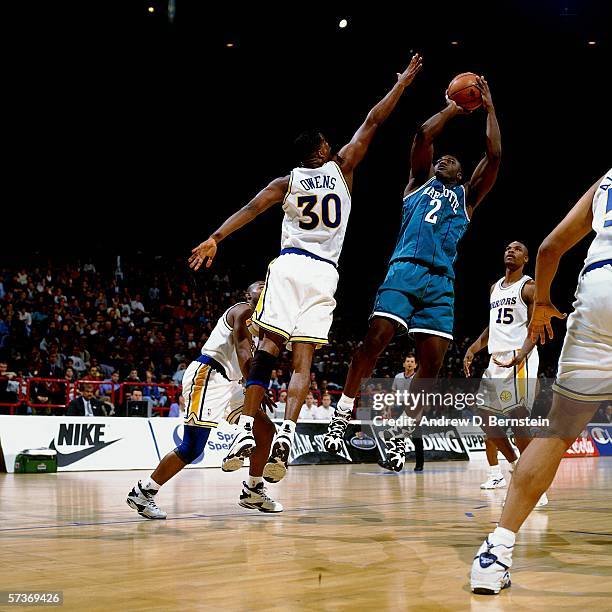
<point>253,481</point>
<point>346,405</point>
<point>495,470</point>
<point>245,420</point>
<point>503,536</point>
<point>149,483</point>
<point>288,428</point>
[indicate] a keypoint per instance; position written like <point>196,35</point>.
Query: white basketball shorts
<point>505,389</point>
<point>297,301</point>
<point>210,397</point>
<point>585,364</point>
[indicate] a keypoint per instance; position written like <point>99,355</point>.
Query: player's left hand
<point>406,77</point>
<point>540,324</point>
<point>206,249</point>
<point>267,403</point>
<point>517,360</point>
<point>485,92</point>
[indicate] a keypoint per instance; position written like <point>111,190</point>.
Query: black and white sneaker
<point>142,500</point>
<point>258,499</point>
<point>242,446</point>
<point>332,441</point>
<point>395,455</point>
<point>277,465</point>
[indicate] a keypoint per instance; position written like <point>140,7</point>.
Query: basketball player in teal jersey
<point>417,293</point>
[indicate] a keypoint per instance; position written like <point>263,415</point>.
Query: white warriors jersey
<point>508,316</point>
<point>323,199</point>
<point>601,247</point>
<point>222,348</point>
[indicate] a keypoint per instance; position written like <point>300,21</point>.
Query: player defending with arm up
<point>297,302</point>
<point>418,292</point>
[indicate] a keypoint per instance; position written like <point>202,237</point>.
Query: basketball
<point>462,90</point>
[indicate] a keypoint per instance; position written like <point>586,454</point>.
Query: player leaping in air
<point>418,292</point>
<point>297,302</point>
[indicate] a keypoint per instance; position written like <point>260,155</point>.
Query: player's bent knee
<point>194,441</point>
<point>261,369</point>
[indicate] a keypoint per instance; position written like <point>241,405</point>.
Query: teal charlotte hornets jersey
<point>434,219</point>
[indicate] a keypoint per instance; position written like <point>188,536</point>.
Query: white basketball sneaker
<point>278,463</point>
<point>332,441</point>
<point>142,500</point>
<point>543,501</point>
<point>258,499</point>
<point>490,568</point>
<point>495,481</point>
<point>242,446</point>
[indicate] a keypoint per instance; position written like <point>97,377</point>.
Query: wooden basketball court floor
<point>351,538</point>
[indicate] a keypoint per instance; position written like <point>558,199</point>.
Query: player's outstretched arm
<point>237,318</point>
<point>421,155</point>
<point>272,194</point>
<point>576,225</point>
<point>351,154</point>
<point>474,348</point>
<point>485,175</point>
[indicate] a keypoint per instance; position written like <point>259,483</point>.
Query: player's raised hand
<point>485,92</point>
<point>206,249</point>
<point>406,77</point>
<point>540,323</point>
<point>467,363</point>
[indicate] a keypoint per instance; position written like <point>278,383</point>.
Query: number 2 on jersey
<point>309,202</point>
<point>431,216</point>
<point>608,222</point>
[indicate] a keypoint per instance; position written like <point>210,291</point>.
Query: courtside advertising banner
<point>601,435</point>
<point>168,434</point>
<point>82,443</point>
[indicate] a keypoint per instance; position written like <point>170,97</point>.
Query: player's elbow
<point>550,249</point>
<point>372,120</point>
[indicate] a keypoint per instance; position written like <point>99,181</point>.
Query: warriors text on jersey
<point>324,201</point>
<point>508,316</point>
<point>222,348</point>
<point>433,221</point>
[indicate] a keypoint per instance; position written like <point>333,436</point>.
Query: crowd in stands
<point>131,322</point>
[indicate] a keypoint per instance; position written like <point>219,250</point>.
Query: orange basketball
<point>462,90</point>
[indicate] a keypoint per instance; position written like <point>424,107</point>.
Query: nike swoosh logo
<point>64,459</point>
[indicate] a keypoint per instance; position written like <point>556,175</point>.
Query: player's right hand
<point>206,249</point>
<point>457,110</point>
<point>540,324</point>
<point>467,362</point>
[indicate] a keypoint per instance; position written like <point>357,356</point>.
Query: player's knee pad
<point>194,441</point>
<point>261,369</point>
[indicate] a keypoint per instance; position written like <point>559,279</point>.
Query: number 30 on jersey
<point>330,211</point>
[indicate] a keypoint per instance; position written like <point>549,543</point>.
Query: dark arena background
<point>133,130</point>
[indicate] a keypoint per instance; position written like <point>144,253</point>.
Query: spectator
<point>85,405</point>
<point>307,410</point>
<point>177,377</point>
<point>177,409</point>
<point>325,411</point>
<point>281,404</point>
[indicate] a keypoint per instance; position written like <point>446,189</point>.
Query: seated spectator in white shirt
<point>279,411</point>
<point>325,411</point>
<point>177,377</point>
<point>307,411</point>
